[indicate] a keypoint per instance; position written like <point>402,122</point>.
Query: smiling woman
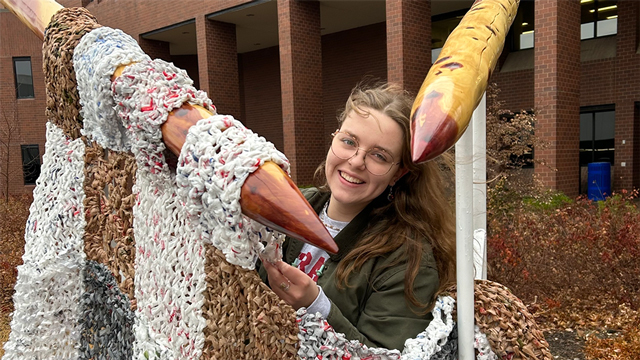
<point>390,219</point>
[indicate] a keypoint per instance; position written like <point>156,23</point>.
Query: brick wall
<point>218,59</point>
<point>301,84</point>
<point>636,145</point>
<point>408,42</point>
<point>17,41</point>
<point>348,57</point>
<point>141,16</point>
<point>156,49</point>
<point>557,92</point>
<point>516,89</point>
<point>597,82</point>
<point>189,63</point>
<point>262,105</point>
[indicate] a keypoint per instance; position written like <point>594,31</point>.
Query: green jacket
<point>373,309</point>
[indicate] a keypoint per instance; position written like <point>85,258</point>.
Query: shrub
<point>547,200</point>
<point>569,257</point>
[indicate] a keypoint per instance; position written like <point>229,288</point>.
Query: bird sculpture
<point>130,255</point>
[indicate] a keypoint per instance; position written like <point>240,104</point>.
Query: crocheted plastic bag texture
<point>68,307</point>
<point>46,319</point>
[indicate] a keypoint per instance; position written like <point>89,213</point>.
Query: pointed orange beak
<point>271,198</point>
<point>432,131</point>
<point>268,195</point>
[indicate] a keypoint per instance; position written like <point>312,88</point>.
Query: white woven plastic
<point>217,157</point>
<point>171,226</point>
<point>170,277</point>
<point>431,340</point>
<point>95,59</point>
<point>49,285</point>
<point>318,340</point>
<point>481,344</point>
<point>145,93</point>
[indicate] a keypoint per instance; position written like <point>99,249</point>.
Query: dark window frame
<point>30,164</point>
<point>594,21</point>
<point>593,110</point>
<point>513,40</point>
<point>17,85</point>
<point>456,14</point>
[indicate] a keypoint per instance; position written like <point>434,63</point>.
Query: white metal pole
<point>464,244</point>
<point>479,121</point>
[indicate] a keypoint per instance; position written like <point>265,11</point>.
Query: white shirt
<point>311,261</point>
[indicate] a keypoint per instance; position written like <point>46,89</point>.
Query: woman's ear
<point>399,174</point>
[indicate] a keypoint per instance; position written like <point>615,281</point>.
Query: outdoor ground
<point>566,345</point>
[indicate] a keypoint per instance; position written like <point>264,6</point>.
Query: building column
<point>627,78</point>
<point>408,42</point>
<point>301,83</point>
<point>218,64</point>
<point>557,92</point>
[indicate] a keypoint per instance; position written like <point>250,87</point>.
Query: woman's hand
<point>291,285</point>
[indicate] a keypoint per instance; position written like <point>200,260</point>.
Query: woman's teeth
<point>350,179</point>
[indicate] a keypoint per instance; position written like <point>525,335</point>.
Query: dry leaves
<point>575,264</point>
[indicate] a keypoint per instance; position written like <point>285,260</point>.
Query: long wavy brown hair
<point>420,217</point>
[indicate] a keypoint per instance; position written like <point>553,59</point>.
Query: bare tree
<point>511,138</point>
<point>9,135</point>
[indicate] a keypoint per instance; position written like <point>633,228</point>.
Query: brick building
<point>285,67</point>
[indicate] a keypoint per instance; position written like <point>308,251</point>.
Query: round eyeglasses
<point>377,161</point>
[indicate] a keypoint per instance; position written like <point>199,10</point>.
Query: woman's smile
<point>349,178</point>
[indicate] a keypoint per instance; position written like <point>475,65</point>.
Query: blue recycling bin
<point>599,178</point>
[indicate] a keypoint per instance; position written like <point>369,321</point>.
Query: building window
<point>598,18</point>
<point>441,27</point>
<point>30,163</point>
<point>597,134</point>
<point>522,29</point>
<point>24,79</point>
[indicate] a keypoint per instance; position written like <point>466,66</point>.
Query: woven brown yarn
<point>65,30</point>
<point>506,322</point>
<point>108,237</point>
<point>245,319</point>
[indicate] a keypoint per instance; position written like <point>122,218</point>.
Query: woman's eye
<point>379,156</point>
<point>349,142</point>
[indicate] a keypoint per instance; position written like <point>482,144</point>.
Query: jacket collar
<point>349,236</point>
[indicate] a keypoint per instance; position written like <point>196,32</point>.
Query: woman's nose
<point>357,160</point>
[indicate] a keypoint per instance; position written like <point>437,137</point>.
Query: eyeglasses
<point>377,161</point>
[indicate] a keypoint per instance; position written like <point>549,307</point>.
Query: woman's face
<point>352,186</point>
